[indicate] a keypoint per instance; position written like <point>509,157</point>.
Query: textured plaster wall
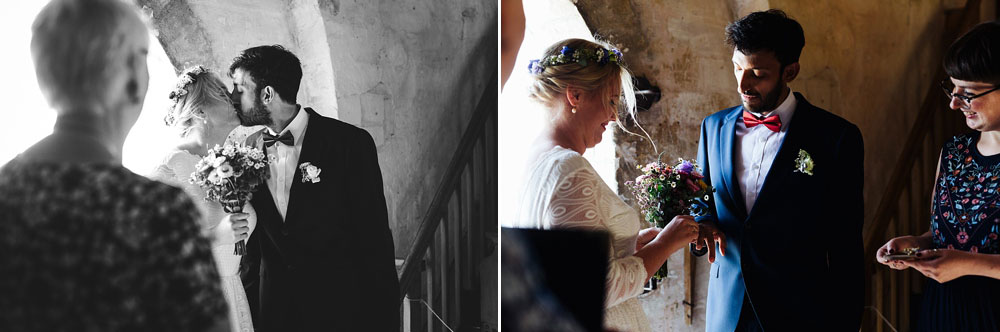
<point>409,72</point>
<point>212,33</point>
<point>868,61</point>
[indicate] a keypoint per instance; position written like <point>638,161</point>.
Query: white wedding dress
<point>562,190</point>
<point>176,169</point>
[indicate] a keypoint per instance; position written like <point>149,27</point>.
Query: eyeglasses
<point>964,100</point>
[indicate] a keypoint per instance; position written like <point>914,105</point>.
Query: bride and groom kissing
<point>319,254</point>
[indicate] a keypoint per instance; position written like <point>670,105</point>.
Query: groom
<point>321,257</point>
<point>788,178</point>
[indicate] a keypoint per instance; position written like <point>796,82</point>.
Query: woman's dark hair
<point>271,65</point>
<point>976,55</point>
<point>770,30</point>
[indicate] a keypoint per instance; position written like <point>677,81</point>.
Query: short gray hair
<point>77,46</point>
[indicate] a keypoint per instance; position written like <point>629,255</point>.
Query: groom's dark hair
<point>770,30</point>
<point>975,56</point>
<point>271,65</point>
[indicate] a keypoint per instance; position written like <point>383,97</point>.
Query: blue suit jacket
<point>798,252</point>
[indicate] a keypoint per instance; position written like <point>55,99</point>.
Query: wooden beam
<point>688,287</point>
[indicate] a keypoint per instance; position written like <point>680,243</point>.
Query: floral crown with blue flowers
<point>582,57</point>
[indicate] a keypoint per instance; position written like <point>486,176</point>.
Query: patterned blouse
<point>563,191</point>
<point>966,203</point>
<point>95,247</point>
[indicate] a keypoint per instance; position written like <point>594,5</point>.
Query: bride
<point>583,85</point>
<point>204,117</point>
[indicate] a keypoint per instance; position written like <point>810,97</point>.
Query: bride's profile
<point>583,85</point>
<point>204,117</point>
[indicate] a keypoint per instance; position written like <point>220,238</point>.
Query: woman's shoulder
<point>89,181</point>
<point>565,162</point>
<point>175,162</point>
<point>181,156</point>
<point>960,143</point>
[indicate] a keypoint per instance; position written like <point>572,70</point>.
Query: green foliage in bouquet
<point>665,191</point>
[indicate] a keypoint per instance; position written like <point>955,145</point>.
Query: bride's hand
<point>645,236</point>
<point>240,225</point>
<point>679,232</point>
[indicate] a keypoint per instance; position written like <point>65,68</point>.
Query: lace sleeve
<point>576,204</point>
<point>163,173</point>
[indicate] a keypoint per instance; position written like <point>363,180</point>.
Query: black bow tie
<point>285,138</point>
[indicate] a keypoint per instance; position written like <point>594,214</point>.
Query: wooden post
<point>689,287</point>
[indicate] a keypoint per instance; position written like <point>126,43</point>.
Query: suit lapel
<point>728,149</point>
<point>311,148</point>
<point>784,162</point>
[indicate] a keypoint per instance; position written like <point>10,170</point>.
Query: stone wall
<point>410,72</point>
<point>868,61</point>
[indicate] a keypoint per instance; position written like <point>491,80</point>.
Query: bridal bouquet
<point>229,175</point>
<point>664,191</point>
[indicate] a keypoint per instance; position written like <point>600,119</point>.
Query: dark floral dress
<point>95,247</point>
<point>965,216</point>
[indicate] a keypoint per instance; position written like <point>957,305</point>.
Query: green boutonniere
<point>804,164</point>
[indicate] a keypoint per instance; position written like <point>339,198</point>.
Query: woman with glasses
<point>961,252</point>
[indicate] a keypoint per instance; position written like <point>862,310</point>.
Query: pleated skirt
<point>969,303</point>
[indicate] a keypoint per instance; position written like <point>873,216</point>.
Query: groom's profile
<point>788,178</point>
<point>322,256</point>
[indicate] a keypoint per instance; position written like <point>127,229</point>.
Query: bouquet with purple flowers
<point>229,175</point>
<point>664,191</point>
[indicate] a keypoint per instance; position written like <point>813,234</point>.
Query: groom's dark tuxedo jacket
<point>329,266</point>
<point>798,252</point>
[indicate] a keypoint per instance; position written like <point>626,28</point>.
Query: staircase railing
<point>905,206</point>
<point>441,286</point>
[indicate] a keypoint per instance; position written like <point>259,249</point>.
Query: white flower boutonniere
<point>310,173</point>
<point>804,164</point>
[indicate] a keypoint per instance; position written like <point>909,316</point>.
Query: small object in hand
<point>696,252</point>
<point>907,255</point>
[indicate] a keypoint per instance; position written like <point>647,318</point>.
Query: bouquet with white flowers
<point>229,175</point>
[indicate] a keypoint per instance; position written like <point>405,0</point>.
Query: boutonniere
<point>310,173</point>
<point>804,164</point>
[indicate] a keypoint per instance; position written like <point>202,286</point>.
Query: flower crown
<point>185,79</point>
<point>180,90</point>
<point>582,57</point>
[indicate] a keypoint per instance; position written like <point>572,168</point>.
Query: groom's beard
<point>769,101</point>
<point>257,115</point>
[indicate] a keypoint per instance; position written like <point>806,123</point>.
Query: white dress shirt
<point>286,161</point>
<point>756,148</point>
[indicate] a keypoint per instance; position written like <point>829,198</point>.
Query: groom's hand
<point>708,236</point>
<point>241,226</point>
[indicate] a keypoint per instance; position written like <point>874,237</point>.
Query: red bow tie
<point>772,122</point>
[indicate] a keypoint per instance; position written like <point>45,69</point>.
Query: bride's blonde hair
<point>196,86</point>
<point>551,81</point>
